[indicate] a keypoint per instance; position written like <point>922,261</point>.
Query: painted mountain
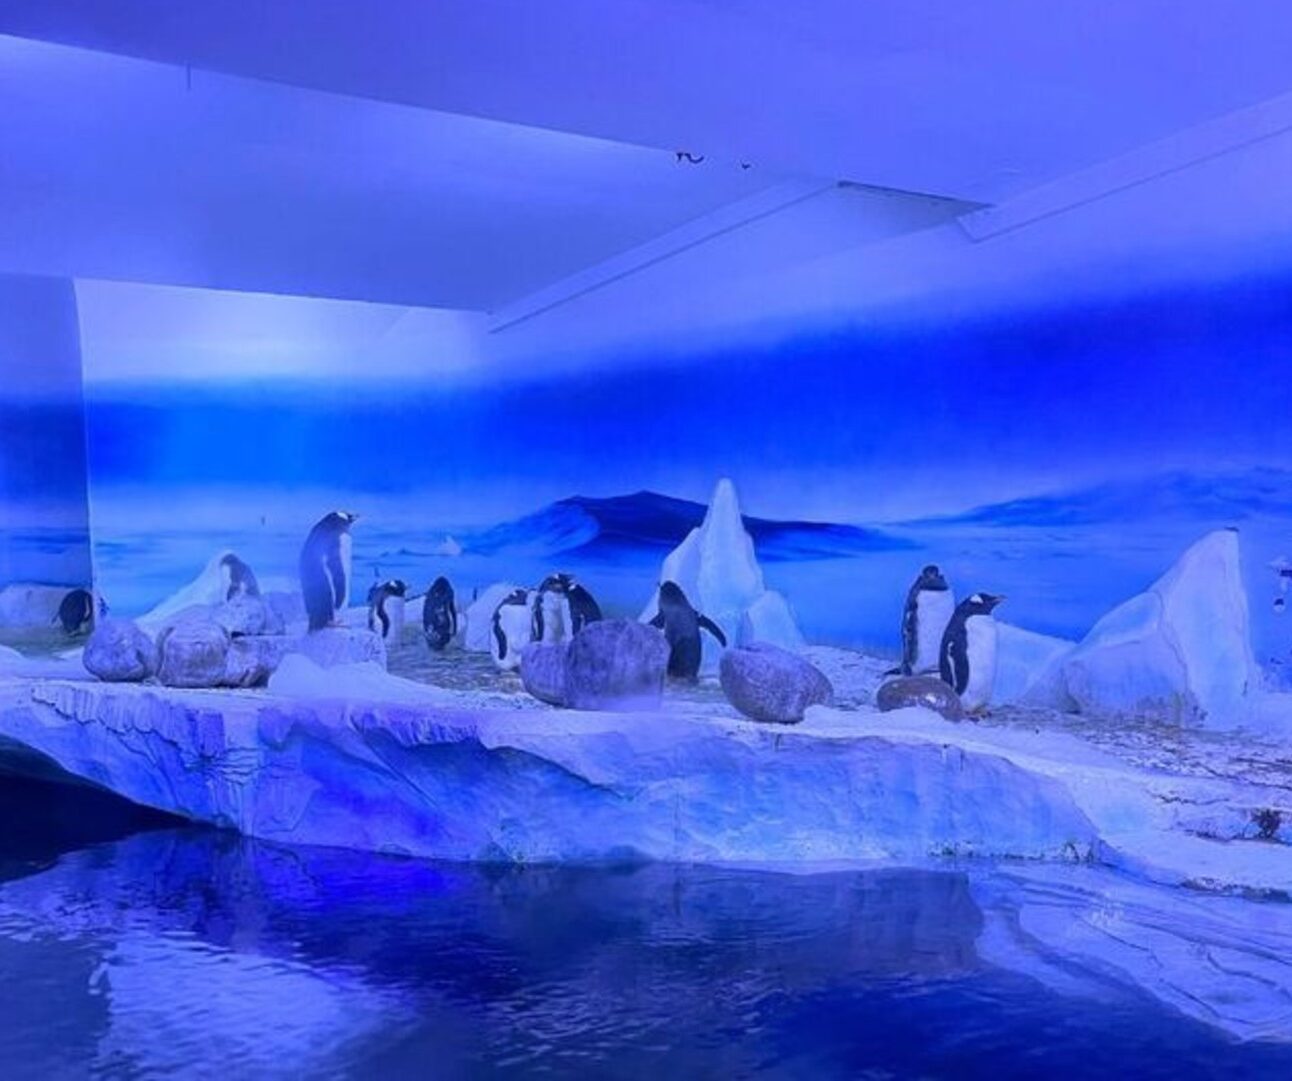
<point>1219,499</point>
<point>647,523</point>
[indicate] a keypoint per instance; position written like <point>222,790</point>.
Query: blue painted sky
<point>857,424</point>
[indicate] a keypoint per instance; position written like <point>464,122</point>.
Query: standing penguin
<point>968,655</point>
<point>552,622</point>
<point>325,569</point>
<point>239,579</point>
<point>386,610</point>
<point>929,607</point>
<point>681,625</point>
<point>439,614</point>
<point>513,629</point>
<point>583,607</point>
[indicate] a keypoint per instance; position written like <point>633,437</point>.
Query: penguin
<point>325,569</point>
<point>929,607</point>
<point>583,607</point>
<point>439,614</point>
<point>240,580</point>
<point>77,610</point>
<point>513,628</point>
<point>681,625</point>
<point>552,622</point>
<point>968,655</point>
<point>386,609</point>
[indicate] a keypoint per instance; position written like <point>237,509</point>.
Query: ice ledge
<point>518,785</point>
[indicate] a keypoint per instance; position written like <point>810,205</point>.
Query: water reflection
<point>181,953</point>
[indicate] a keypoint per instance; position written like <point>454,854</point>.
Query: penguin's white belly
<point>980,645</point>
<point>517,629</point>
<point>347,551</point>
<point>556,618</point>
<point>933,610</point>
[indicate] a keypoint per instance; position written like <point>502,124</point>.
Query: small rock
<point>542,671</point>
<point>771,684</point>
<point>616,664</point>
<point>245,615</point>
<point>341,645</point>
<point>193,653</point>
<point>927,691</point>
<point>119,652</point>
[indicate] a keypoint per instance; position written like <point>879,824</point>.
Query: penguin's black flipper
<point>714,630</point>
<point>658,621</point>
<point>499,637</point>
<point>902,669</point>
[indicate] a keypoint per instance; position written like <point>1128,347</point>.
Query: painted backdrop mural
<point>1063,456</point>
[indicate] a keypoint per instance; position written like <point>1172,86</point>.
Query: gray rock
<point>288,607</point>
<point>543,671</point>
<point>771,684</point>
<point>193,653</point>
<point>253,659</point>
<point>341,645</point>
<point>616,664</point>
<point>927,691</point>
<point>119,652</point>
<point>248,615</point>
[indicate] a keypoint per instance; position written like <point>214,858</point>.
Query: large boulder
<point>248,615</point>
<point>1180,652</point>
<point>542,671</point>
<point>119,652</point>
<point>253,658</point>
<point>928,692</point>
<point>616,664</point>
<point>332,646</point>
<point>193,653</point>
<point>771,684</point>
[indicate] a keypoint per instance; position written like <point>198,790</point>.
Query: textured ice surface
<point>1180,652</point>
<point>1027,666</point>
<point>717,570</point>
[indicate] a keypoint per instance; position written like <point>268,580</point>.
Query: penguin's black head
<point>340,520</point>
<point>982,604</point>
<point>399,587</point>
<point>556,583</point>
<point>670,593</point>
<point>931,578</point>
<point>440,587</point>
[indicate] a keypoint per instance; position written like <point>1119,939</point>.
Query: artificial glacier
<point>1179,652</point>
<point>716,568</point>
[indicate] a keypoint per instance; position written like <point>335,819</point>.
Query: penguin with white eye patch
<point>325,567</point>
<point>512,629</point>
<point>386,610</point>
<point>968,657</point>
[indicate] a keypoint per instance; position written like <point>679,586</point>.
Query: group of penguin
<point>554,612</point>
<point>957,641</point>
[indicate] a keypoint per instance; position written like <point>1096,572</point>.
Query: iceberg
<point>1027,667</point>
<point>1180,652</point>
<point>716,568</point>
<point>205,591</point>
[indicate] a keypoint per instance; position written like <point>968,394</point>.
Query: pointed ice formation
<point>1180,652</point>
<point>716,569</point>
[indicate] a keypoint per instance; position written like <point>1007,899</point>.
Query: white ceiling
<point>490,154</point>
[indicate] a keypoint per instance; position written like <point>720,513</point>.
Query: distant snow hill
<point>1218,499</point>
<point>647,523</point>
